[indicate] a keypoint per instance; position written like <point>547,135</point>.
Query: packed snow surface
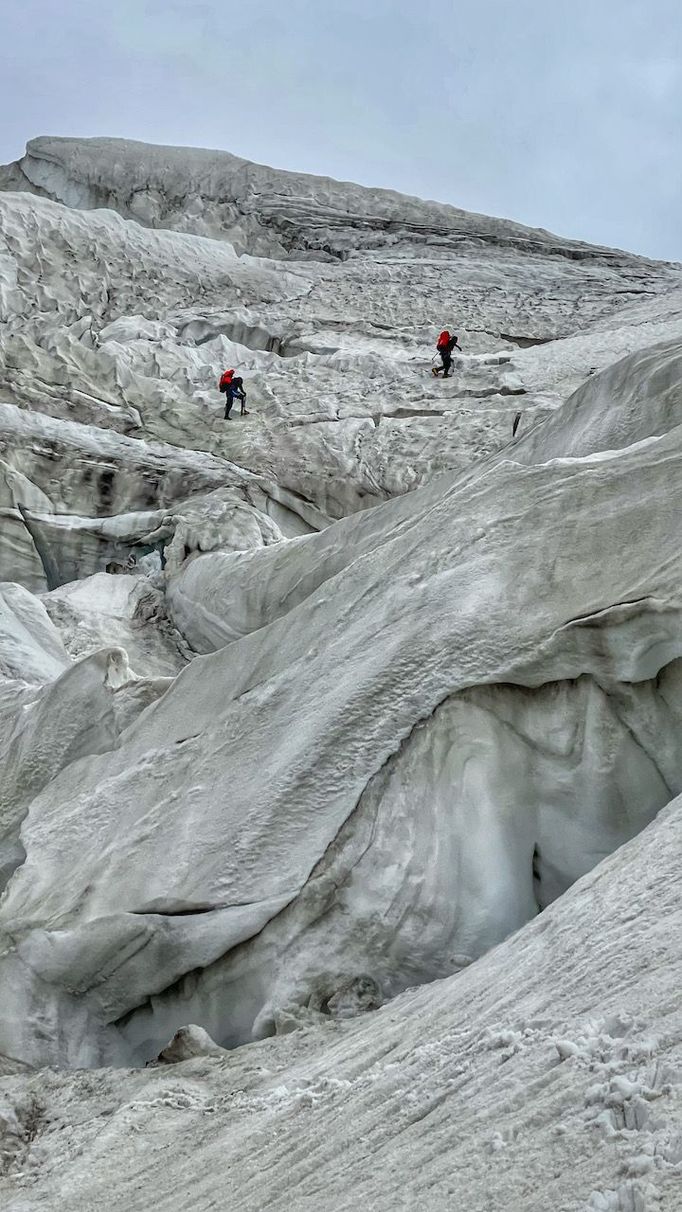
<point>305,713</point>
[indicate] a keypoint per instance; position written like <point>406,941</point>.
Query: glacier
<point>359,708</point>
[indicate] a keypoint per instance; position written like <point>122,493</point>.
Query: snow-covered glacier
<point>307,709</point>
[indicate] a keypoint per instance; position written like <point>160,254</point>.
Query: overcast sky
<point>562,115</point>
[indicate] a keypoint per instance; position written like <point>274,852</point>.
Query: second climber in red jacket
<point>444,346</point>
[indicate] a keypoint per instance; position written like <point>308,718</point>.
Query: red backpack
<point>225,380</point>
<point>443,339</point>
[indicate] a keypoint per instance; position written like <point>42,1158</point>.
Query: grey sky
<point>566,115</point>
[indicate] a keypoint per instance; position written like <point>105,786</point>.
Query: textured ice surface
<point>306,709</point>
<point>547,1075</point>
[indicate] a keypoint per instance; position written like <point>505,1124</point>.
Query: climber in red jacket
<point>444,346</point>
<point>234,390</point>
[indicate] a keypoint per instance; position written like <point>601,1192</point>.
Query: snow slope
<point>306,709</point>
<point>383,700</point>
<point>336,352</point>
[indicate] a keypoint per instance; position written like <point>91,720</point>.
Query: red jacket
<point>443,339</point>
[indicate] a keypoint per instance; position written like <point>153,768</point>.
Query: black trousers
<point>229,401</point>
<point>446,355</point>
